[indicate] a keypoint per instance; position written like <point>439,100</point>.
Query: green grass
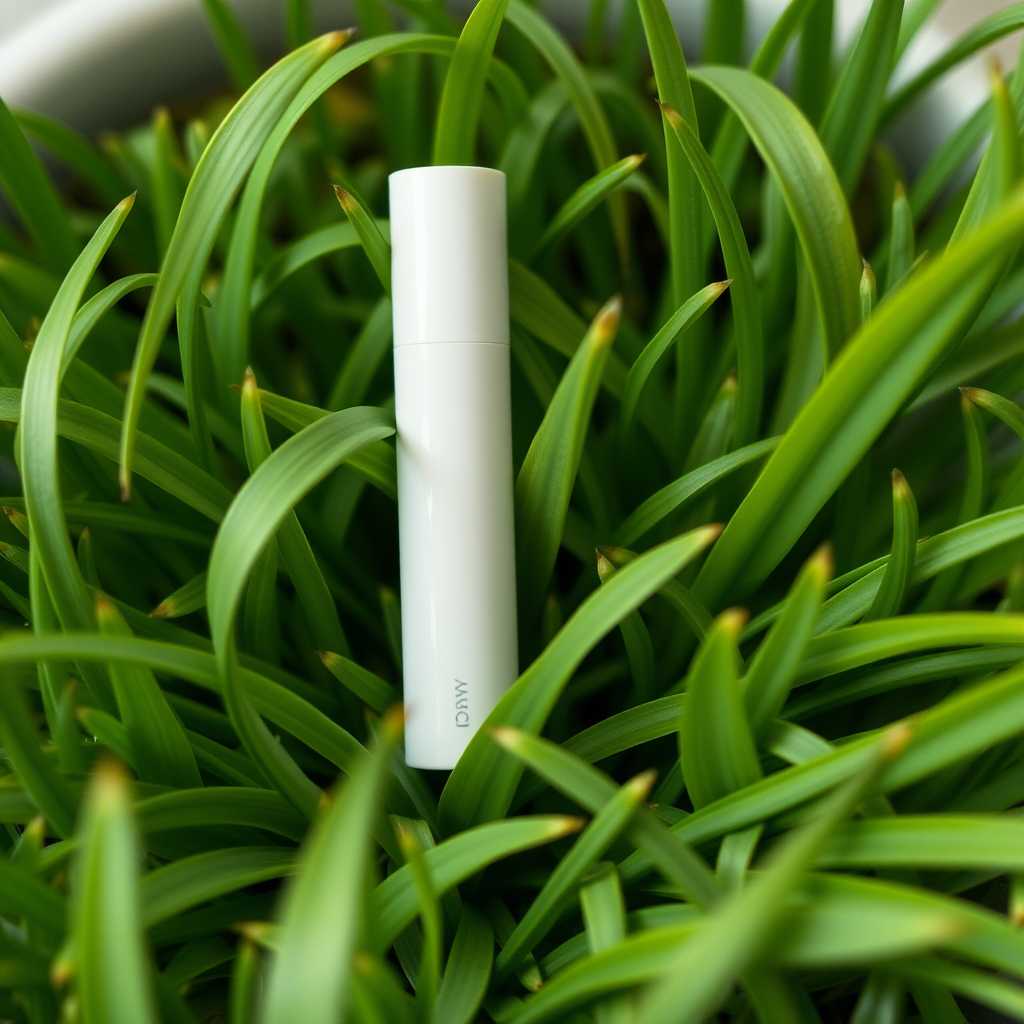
<point>765,760</point>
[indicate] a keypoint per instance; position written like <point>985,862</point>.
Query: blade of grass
<point>868,384</point>
<point>483,783</point>
<point>309,975</point>
<point>30,191</point>
<point>746,305</point>
<point>463,93</point>
<point>224,164</point>
<point>812,192</point>
<point>716,747</point>
<point>161,751</point>
<point>243,68</point>
<point>899,570</point>
<point>113,970</point>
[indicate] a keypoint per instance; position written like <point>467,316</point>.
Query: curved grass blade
<point>767,683</point>
<point>157,463</point>
<point>855,107</point>
<point>161,752</point>
<point>231,354</point>
<point>468,971</point>
<point>372,344</point>
<point>899,570</point>
<point>639,649</point>
<point>901,241</point>
<point>997,174</point>
<point>322,911</point>
<point>548,473</point>
<point>991,29</point>
<point>38,445</point>
<point>591,788</point>
<point>600,140</point>
<point>376,247</point>
<point>428,973</point>
<point>394,903</point>
<point>526,140</point>
<point>463,93</point>
<point>48,788</point>
<point>30,191</point>
<point>688,487</point>
<point>746,305</point>
<point>560,887</point>
<point>186,599</point>
<point>257,512</point>
<point>483,783</point>
<point>702,971</point>
<point>810,188</point>
<point>242,65</point>
<point>113,968</point>
<point>373,691</point>
<point>97,307</point>
<point>291,259</point>
<point>586,198</point>
<point>220,805</point>
<point>867,385</point>
<point>639,373</point>
<point>168,890</point>
<point>716,748</point>
<point>224,163</point>
<point>297,555</point>
<point>684,192</point>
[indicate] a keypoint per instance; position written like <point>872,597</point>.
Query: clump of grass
<point>764,761</point>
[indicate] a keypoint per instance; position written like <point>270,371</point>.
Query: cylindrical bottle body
<point>456,542</point>
<point>453,411</point>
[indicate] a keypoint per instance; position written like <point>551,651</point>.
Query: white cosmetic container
<point>449,275</point>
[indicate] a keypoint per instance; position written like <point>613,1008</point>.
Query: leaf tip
<point>567,825</point>
<point>506,737</point>
<point>606,323</point>
<point>732,620</point>
<point>822,563</point>
<point>895,740</point>
<point>640,786</point>
<point>605,569</point>
<point>345,197</point>
<point>900,487</point>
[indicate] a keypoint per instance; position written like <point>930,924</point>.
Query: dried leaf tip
<point>634,161</point>
<point>124,480</point>
<point>606,323</point>
<point>104,608</point>
<point>334,41</point>
<point>128,202</point>
<point>822,563</point>
<point>393,722</point>
<point>899,192</point>
<point>641,785</point>
<point>164,610</point>
<point>713,531</point>
<point>566,825</point>
<point>617,556</point>
<point>259,932</point>
<point>605,569</point>
<point>249,386</point>
<point>900,487</point>
<point>345,197</point>
<point>971,394</point>
<point>732,620</point>
<point>507,737</point>
<point>108,787</point>
<point>895,740</point>
<point>672,115</point>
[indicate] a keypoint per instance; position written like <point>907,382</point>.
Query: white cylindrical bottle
<point>449,275</point>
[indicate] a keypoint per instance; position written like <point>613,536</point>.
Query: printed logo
<point>461,704</point>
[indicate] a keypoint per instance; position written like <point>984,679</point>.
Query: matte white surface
<point>449,263</point>
<point>449,276</point>
<point>456,539</point>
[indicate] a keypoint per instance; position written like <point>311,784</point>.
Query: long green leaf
<point>462,97</point>
<point>224,163</point>
<point>746,306</point>
<point>813,196</point>
<point>309,976</point>
<point>548,473</point>
<point>113,973</point>
<point>483,783</point>
<point>868,383</point>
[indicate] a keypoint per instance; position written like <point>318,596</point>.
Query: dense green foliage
<point>678,813</point>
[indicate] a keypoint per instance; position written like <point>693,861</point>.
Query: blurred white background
<point>106,63</point>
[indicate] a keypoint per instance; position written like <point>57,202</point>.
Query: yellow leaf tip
<point>895,740</point>
<point>732,620</point>
<point>822,562</point>
<point>506,736</point>
<point>567,825</point>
